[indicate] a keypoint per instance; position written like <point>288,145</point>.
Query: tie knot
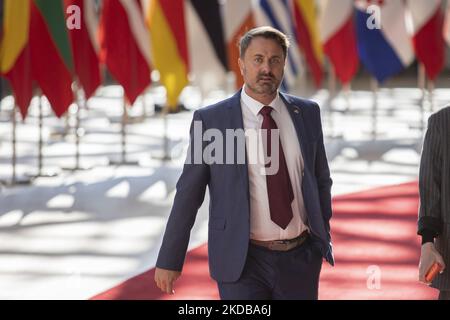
<point>265,111</point>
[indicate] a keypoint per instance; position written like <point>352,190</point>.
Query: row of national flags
<point>49,44</point>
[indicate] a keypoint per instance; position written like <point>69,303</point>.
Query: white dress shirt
<point>261,226</point>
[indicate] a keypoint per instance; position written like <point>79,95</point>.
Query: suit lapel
<point>236,121</point>
<point>296,113</point>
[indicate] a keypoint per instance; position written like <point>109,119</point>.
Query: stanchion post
<point>374,85</point>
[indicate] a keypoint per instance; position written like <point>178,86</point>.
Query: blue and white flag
<point>279,14</point>
<point>384,46</point>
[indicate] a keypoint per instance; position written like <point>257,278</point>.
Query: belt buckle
<point>280,246</point>
<point>277,246</point>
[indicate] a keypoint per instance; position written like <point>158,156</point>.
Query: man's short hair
<point>264,32</point>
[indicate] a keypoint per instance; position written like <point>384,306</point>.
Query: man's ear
<point>241,66</point>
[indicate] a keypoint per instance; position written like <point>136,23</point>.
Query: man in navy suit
<point>270,196</point>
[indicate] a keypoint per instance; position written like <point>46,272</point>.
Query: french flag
<point>429,45</point>
<point>338,37</point>
<point>388,50</point>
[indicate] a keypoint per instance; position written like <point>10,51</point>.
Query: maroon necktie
<point>279,187</point>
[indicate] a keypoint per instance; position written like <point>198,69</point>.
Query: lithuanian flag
<point>15,51</point>
<point>169,46</point>
<point>51,56</point>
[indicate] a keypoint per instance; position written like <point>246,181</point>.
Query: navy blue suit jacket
<point>229,208</point>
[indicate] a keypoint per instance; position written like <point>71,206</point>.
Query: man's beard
<point>267,88</point>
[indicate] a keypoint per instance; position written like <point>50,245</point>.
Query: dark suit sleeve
<point>430,180</point>
<point>190,193</point>
<point>322,173</point>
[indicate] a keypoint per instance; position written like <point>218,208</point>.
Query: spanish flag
<point>165,19</point>
<point>51,56</point>
<point>15,51</point>
<point>309,37</point>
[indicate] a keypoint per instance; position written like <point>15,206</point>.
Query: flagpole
<point>15,180</point>
<point>40,143</point>
<point>41,173</point>
<point>124,132</point>
<point>78,132</point>
<point>123,159</point>
<point>23,180</point>
<point>14,141</point>
<point>164,155</point>
<point>431,94</point>
<point>375,86</point>
<point>332,96</point>
<point>80,96</point>
<point>77,136</point>
<point>422,83</point>
<point>144,106</point>
<point>347,89</point>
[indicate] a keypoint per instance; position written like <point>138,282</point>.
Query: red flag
<point>429,44</point>
<point>84,47</point>
<point>339,38</point>
<point>122,45</point>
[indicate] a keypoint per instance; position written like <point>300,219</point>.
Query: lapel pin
<point>296,110</point>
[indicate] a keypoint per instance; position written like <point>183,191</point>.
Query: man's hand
<point>428,256</point>
<point>165,279</point>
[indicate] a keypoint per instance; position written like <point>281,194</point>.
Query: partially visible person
<point>434,211</point>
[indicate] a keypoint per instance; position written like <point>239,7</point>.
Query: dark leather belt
<point>282,245</point>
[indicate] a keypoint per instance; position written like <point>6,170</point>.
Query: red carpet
<point>374,232</point>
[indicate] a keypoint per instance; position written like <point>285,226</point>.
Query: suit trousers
<point>277,275</point>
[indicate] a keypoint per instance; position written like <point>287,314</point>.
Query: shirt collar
<point>256,106</point>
